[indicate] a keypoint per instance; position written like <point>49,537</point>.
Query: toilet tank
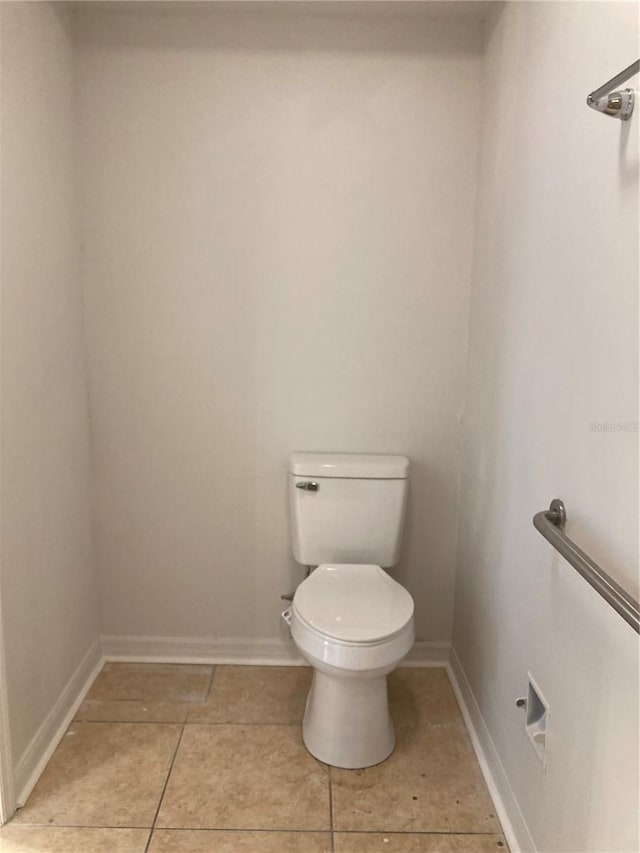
<point>347,508</point>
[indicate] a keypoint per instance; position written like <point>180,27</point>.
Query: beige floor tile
<point>431,783</point>
<point>245,777</point>
<point>220,841</point>
<point>255,694</point>
<point>372,842</point>
<point>104,774</point>
<point>55,839</point>
<point>422,697</point>
<point>131,711</point>
<point>152,682</point>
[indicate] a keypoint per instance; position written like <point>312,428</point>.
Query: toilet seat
<point>353,604</point>
<point>375,629</point>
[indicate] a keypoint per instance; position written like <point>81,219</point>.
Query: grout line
<point>438,833</point>
<point>132,722</point>
<point>331,808</point>
<point>166,782</point>
<point>442,833</point>
<point>27,825</point>
<point>211,680</point>
<point>239,830</point>
<point>244,725</point>
<point>183,722</point>
<point>141,701</point>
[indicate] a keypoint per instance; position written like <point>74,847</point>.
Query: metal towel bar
<point>551,523</point>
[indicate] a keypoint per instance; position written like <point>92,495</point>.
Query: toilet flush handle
<point>308,486</point>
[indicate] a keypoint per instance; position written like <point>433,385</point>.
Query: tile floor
<point>202,759</point>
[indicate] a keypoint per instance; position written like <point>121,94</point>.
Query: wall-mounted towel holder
<point>610,100</point>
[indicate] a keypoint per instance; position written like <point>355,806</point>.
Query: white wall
<point>48,581</point>
<point>278,214</point>
<point>553,348</point>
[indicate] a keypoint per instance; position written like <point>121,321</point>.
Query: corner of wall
<point>41,747</point>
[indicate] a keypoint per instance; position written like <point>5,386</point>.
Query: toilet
<point>349,619</point>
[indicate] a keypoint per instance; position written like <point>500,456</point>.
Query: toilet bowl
<point>354,624</point>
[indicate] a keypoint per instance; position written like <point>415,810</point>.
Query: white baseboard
<point>425,654</point>
<point>209,650</point>
<point>513,823</point>
<point>271,652</point>
<point>7,788</point>
<point>46,739</point>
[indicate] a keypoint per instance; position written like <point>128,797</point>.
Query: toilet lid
<point>356,603</point>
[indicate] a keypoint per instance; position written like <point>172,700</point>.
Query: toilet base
<point>347,722</point>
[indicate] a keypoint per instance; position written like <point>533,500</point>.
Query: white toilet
<point>349,618</point>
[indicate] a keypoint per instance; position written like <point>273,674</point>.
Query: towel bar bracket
<point>557,514</point>
<point>619,103</point>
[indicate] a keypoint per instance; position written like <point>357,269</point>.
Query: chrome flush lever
<point>308,486</point>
